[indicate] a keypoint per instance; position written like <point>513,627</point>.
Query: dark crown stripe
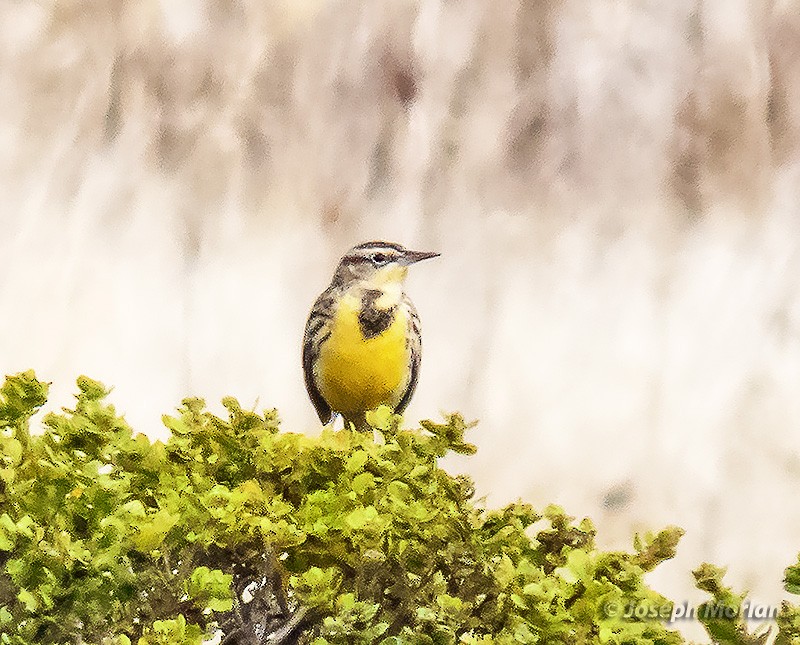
<point>379,245</point>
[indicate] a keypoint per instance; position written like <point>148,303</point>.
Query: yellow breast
<point>355,374</point>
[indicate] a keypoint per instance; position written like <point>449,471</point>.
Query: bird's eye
<point>380,258</point>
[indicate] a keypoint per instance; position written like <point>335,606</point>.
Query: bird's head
<point>377,264</point>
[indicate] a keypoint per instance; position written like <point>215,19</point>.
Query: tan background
<point>614,187</point>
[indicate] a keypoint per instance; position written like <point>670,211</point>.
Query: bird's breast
<point>365,361</point>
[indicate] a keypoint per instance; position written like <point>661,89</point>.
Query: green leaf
<point>150,534</point>
<point>210,589</point>
<point>363,482</point>
<point>12,450</point>
<point>8,532</point>
<point>28,600</point>
<point>355,463</point>
<point>504,571</point>
<point>175,631</point>
<point>20,396</point>
<point>25,526</point>
<point>317,587</point>
<point>362,517</point>
<point>791,578</point>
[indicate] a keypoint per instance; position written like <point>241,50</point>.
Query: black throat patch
<point>372,320</point>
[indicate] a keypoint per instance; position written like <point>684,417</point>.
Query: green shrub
<point>261,536</point>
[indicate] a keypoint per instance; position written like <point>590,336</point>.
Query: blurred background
<point>614,188</point>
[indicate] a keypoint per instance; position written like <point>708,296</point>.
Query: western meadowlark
<point>362,345</point>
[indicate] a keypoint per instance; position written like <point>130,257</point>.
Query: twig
<point>287,633</point>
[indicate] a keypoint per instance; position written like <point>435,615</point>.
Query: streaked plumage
<point>362,344</point>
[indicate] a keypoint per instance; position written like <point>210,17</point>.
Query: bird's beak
<point>410,257</point>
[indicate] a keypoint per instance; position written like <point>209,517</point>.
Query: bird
<point>362,346</point>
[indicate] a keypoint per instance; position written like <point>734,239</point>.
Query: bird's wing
<point>316,333</point>
<point>415,352</point>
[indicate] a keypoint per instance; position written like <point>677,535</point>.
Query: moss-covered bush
<point>236,530</point>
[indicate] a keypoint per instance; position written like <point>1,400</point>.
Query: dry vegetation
<point>615,187</point>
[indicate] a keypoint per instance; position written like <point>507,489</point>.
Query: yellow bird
<point>362,346</point>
